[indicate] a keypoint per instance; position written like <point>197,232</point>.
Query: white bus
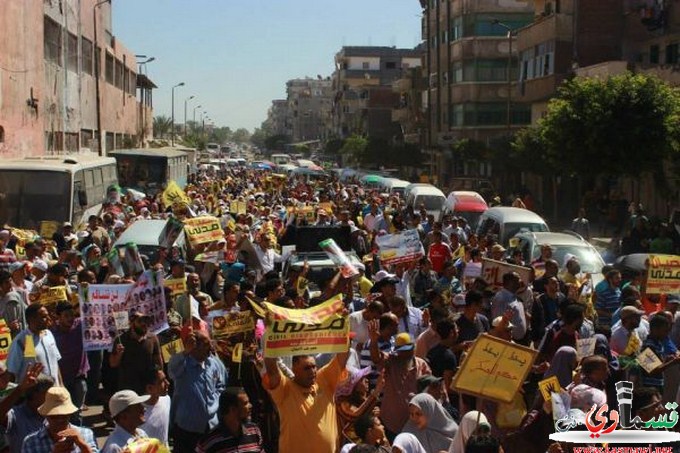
<point>65,188</point>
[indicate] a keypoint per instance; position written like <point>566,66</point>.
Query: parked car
<point>145,234</point>
<point>505,222</point>
<point>467,204</point>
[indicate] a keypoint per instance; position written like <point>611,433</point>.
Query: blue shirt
<point>608,299</point>
<point>46,352</point>
<point>41,442</point>
<point>197,391</point>
<point>21,421</point>
<point>663,349</point>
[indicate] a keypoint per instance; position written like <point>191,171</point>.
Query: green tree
<point>334,146</point>
<point>241,135</point>
<point>355,147</point>
<point>161,126</point>
<point>258,137</point>
<point>277,142</point>
<point>623,125</point>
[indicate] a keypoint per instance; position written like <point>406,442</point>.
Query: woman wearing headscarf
<point>354,400</point>
<point>430,423</point>
<point>562,366</point>
<point>407,443</point>
<point>469,424</point>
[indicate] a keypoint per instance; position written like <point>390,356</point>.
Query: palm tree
<point>161,126</point>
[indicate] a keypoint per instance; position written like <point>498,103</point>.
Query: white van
<point>505,222</point>
<point>394,185</point>
<point>430,197</point>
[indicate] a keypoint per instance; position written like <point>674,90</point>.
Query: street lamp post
<point>510,31</point>
<point>195,108</point>
<point>185,114</point>
<point>143,97</point>
<point>97,90</point>
<point>172,131</point>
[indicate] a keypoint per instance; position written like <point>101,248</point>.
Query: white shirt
<point>157,419</point>
<point>357,324</point>
<point>119,438</point>
<point>267,258</point>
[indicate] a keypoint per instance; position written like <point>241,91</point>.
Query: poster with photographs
<point>132,262</point>
<point>148,296</point>
<point>97,306</point>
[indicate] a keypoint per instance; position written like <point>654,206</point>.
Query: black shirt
<point>470,330</point>
<point>441,358</point>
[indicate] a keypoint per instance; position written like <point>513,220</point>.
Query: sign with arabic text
<point>492,272</point>
<point>494,369</point>
<point>225,324</point>
<point>177,285</point>
<point>400,248</point>
<point>52,295</point>
<point>97,307</point>
<point>319,329</point>
<point>663,274</point>
<point>204,229</point>
<point>5,340</point>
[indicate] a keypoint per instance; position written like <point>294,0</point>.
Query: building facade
<point>278,118</point>
<point>363,95</point>
<point>309,108</point>
<point>50,100</point>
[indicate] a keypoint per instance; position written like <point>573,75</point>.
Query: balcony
<point>402,85</point>
<point>400,115</point>
<point>556,27</point>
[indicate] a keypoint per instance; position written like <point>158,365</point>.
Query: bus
<point>149,170</point>
<point>66,188</point>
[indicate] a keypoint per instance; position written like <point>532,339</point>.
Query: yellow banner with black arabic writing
<point>204,229</point>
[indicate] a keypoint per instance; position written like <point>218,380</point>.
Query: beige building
<point>309,108</point>
<point>49,95</point>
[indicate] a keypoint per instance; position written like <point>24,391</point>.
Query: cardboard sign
<point>97,305</point>
<point>146,445</point>
<point>648,360</point>
<point>585,347</point>
<point>548,387</point>
<point>241,207</point>
<point>494,369</point>
<point>52,295</point>
<point>204,229</point>
<point>174,194</point>
<point>663,274</point>
<point>132,261</point>
<point>492,272</point>
<point>237,353</point>
<point>400,248</point>
<point>225,324</point>
<point>170,232</point>
<point>315,330</point>
<point>177,285</point>
<point>170,349</point>
<point>48,228</point>
<point>121,319</point>
<point>5,340</point>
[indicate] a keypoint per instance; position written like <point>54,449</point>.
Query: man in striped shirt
<point>608,299</point>
<point>235,433</point>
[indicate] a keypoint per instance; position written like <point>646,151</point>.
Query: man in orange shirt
<point>306,403</point>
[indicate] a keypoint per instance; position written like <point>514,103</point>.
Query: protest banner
<point>494,369</point>
<point>174,194</point>
<point>204,229</point>
<point>171,348</point>
<point>548,387</point>
<point>492,272</point>
<point>177,285</point>
<point>241,207</point>
<point>585,347</point>
<point>5,340</point>
<point>224,324</point>
<point>97,306</point>
<point>648,360</point>
<point>121,320</point>
<point>48,228</point>
<point>339,258</point>
<point>132,261</point>
<point>51,295</point>
<point>145,445</point>
<point>319,329</point>
<point>663,274</point>
<point>147,296</point>
<point>170,232</point>
<point>400,248</point>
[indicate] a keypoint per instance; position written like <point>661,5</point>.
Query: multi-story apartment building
<point>278,118</point>
<point>65,77</point>
<point>309,107</point>
<point>363,94</point>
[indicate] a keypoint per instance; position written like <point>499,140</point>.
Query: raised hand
<point>31,377</point>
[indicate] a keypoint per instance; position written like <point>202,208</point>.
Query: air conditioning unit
<point>446,138</point>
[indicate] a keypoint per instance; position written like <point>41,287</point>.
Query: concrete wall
<point>21,70</point>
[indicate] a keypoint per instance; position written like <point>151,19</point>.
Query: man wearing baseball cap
<point>127,411</point>
<point>58,435</point>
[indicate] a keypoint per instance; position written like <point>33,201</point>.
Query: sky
<point>235,56</point>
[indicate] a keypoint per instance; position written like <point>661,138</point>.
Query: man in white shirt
<point>267,255</point>
<point>157,408</point>
<point>358,322</point>
<point>128,412</point>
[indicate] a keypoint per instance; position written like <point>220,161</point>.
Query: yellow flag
<point>29,347</point>
<point>365,286</point>
<point>302,284</point>
<point>173,194</point>
<point>237,353</point>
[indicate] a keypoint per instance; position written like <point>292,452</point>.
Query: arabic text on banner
<point>97,306</point>
<point>225,324</point>
<point>52,295</point>
<point>494,369</point>
<point>177,285</point>
<point>147,296</point>
<point>201,230</point>
<point>663,274</point>
<point>492,272</point>
<point>173,193</point>
<point>5,340</point>
<point>320,329</point>
<point>400,248</point>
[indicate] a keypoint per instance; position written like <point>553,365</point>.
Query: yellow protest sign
<point>237,353</point>
<point>257,308</point>
<point>48,228</point>
<point>663,274</point>
<point>241,207</point>
<point>548,386</point>
<point>494,369</point>
<point>52,295</point>
<point>319,329</point>
<point>5,340</point>
<point>201,230</point>
<point>29,347</point>
<point>177,285</point>
<point>226,324</point>
<point>326,206</point>
<point>301,286</point>
<point>648,360</point>
<point>146,445</point>
<point>170,349</point>
<point>173,193</point>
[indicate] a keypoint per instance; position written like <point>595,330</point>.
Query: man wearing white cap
<point>127,411</point>
<point>58,435</point>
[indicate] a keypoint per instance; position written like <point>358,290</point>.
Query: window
<point>457,72</point>
<point>654,54</point>
<point>109,68</point>
<point>672,53</point>
<point>433,80</point>
<point>445,78</point>
<point>491,70</point>
<point>52,41</point>
<point>119,82</point>
<point>457,28</point>
<point>87,55</point>
<point>390,65</point>
<point>132,85</point>
<point>72,48</point>
<point>365,65</point>
<point>445,36</point>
